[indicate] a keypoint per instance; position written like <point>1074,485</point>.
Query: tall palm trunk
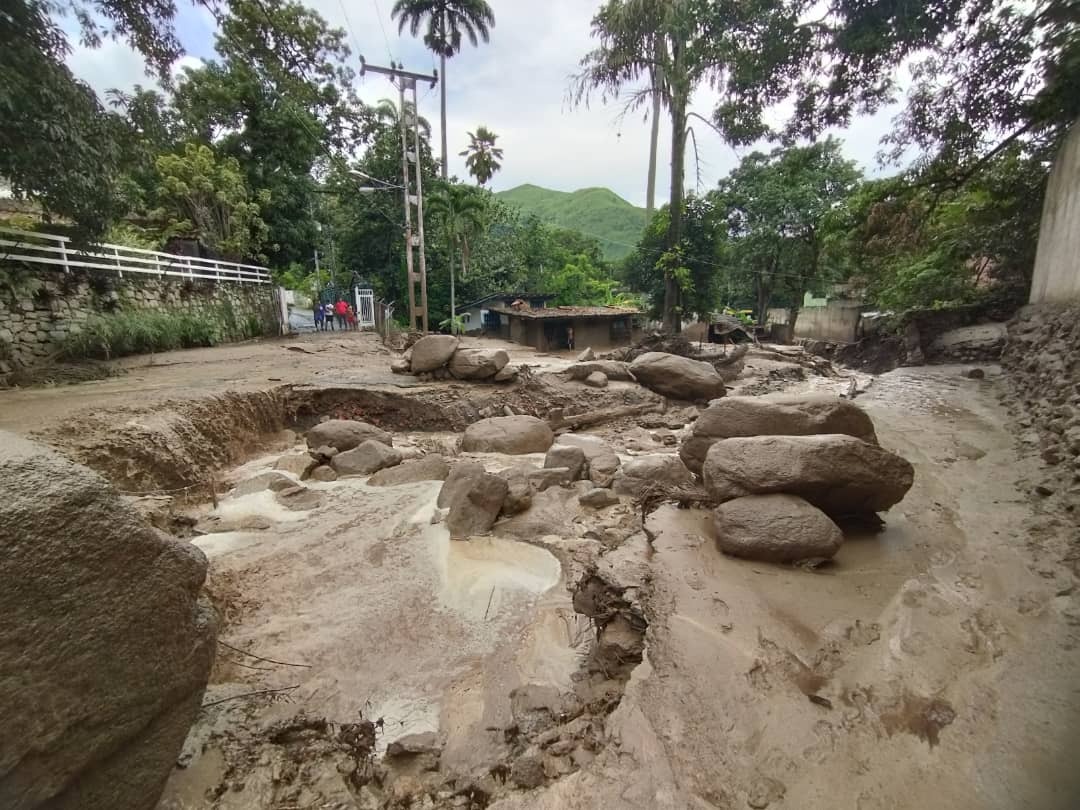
<point>442,75</point>
<point>672,316</point>
<point>453,304</point>
<point>654,140</point>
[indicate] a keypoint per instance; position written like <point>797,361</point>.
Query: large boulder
<point>596,380</point>
<point>678,377</point>
<point>839,474</point>
<point>427,468</point>
<point>773,415</point>
<point>106,643</point>
<point>603,468</point>
<point>982,342</point>
<point>432,352</point>
<point>368,457</point>
<point>345,434</point>
<point>592,446</point>
<point>474,498</point>
<point>612,369</point>
<point>519,491</point>
<point>660,469</point>
<point>568,456</point>
<point>775,528</point>
<point>478,364</point>
<point>513,435</point>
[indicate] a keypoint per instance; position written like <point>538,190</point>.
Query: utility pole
<point>406,80</point>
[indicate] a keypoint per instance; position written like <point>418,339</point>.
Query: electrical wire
<point>386,39</point>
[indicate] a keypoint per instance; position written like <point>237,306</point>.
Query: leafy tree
<point>779,211</point>
<point>446,21</point>
<point>207,198</point>
<point>582,283</point>
<point>386,111</point>
<point>483,155</point>
<point>460,213</point>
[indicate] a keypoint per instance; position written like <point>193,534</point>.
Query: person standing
<point>570,337</point>
<point>342,309</point>
<point>328,315</point>
<point>350,316</point>
<point>318,311</point>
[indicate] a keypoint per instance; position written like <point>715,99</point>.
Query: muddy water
<point>394,621</point>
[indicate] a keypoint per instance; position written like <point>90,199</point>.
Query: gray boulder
<point>586,355</point>
<point>612,369</point>
<point>345,434</point>
<point>592,446</point>
<point>426,468</point>
<point>365,459</point>
<point>432,352</point>
<point>602,469</point>
<point>513,435</point>
<point>297,463</point>
<point>660,469</point>
<point>678,377</point>
<point>519,492</point>
<point>324,473</point>
<point>598,498</point>
<point>838,474</point>
<point>475,499</point>
<point>299,498</point>
<point>568,456</point>
<point>775,528</point>
<point>597,379</point>
<point>106,643</point>
<point>507,373</point>
<point>773,415</point>
<point>260,482</point>
<point>550,477</point>
<point>458,481</point>
<point>478,364</point>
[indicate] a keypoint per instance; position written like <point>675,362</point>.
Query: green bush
<point>140,332</point>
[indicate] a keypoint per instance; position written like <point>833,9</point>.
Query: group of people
<point>325,314</point>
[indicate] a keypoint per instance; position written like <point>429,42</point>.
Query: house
<point>549,328</point>
<point>834,316</point>
<point>477,318</point>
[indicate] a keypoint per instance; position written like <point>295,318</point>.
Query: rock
<point>519,492</point>
<point>297,463</point>
<point>602,469</point>
<point>568,456</point>
<point>974,373</point>
<point>586,355</point>
<point>324,474</point>
<point>775,528</point>
<point>773,415</point>
<point>612,369</point>
<point>260,482</point>
<point>593,446</point>
<point>458,481</point>
<point>597,379</point>
<point>984,341</point>
<point>550,477</point>
<point>678,377</point>
<point>527,771</point>
<point>299,499</point>
<point>370,456</point>
<point>426,742</point>
<point>507,373</point>
<point>399,365</point>
<point>513,435</point>
<point>426,468</point>
<point>345,434</point>
<point>324,451</point>
<point>839,474</point>
<point>106,645</point>
<point>598,498</point>
<point>478,364</point>
<point>432,352</point>
<point>552,512</point>
<point>639,473</point>
<point>475,499</point>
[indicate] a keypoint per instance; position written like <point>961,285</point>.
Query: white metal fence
<point>56,251</point>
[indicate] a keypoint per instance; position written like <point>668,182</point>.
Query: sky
<point>516,85</point>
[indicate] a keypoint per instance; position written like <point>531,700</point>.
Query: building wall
<point>39,308</point>
<point>1057,262</point>
<point>837,321</point>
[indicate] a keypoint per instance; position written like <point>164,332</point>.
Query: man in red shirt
<point>341,308</point>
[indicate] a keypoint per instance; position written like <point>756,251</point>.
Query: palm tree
<point>461,211</point>
<point>387,112</point>
<point>482,156</point>
<point>446,21</point>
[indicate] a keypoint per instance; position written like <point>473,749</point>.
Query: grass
<point>140,332</point>
<point>597,212</point>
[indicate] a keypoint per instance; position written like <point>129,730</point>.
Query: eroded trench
<point>365,659</point>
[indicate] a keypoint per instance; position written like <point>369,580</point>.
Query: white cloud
<point>516,85</point>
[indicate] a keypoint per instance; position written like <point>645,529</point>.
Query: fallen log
<point>558,420</point>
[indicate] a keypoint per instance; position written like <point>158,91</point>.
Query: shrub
<point>140,332</point>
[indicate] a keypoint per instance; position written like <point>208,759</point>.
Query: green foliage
<point>482,155</point>
<point>596,212</point>
<point>454,326</point>
<point>207,198</point>
<point>445,22</point>
<point>581,283</point>
<point>140,332</point>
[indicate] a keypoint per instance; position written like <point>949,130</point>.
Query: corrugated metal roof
<point>568,312</point>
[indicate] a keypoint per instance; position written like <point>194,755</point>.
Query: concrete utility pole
<point>406,80</point>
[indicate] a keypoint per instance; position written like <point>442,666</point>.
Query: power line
<point>386,39</point>
<point>348,25</point>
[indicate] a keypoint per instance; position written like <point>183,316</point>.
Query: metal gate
<point>365,307</point>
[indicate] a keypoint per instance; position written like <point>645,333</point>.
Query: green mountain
<point>597,212</point>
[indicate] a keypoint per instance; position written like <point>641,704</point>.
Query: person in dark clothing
<point>318,317</point>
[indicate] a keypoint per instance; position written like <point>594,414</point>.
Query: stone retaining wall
<point>39,308</point>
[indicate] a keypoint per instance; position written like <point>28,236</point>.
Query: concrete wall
<point>1057,263</point>
<point>39,308</point>
<point>837,321</point>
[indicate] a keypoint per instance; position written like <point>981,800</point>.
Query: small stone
<point>1044,490</point>
<point>975,374</point>
<point>597,379</point>
<point>324,474</point>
